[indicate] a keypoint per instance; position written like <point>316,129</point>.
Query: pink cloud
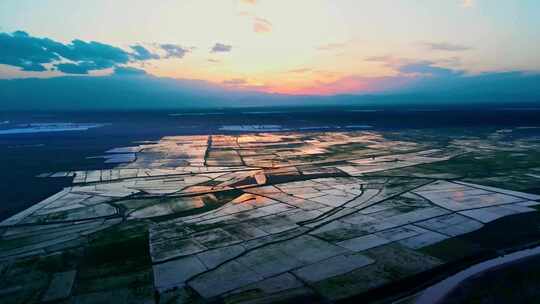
<point>331,46</point>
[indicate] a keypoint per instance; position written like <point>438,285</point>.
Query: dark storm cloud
<point>26,52</point>
<point>30,53</point>
<point>72,68</point>
<point>128,71</point>
<point>221,48</point>
<point>142,53</point>
<point>427,67</point>
<point>174,50</point>
<point>90,56</point>
<point>410,67</point>
<point>102,55</point>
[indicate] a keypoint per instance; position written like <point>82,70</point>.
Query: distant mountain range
<point>135,92</point>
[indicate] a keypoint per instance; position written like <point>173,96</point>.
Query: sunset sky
<point>278,46</point>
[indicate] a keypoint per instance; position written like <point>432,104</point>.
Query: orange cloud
<point>352,84</point>
<point>261,25</point>
<point>300,70</point>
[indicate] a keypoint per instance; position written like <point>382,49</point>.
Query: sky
<point>299,47</point>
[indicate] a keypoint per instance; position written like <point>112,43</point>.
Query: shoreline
<point>439,291</point>
<point>408,290</point>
